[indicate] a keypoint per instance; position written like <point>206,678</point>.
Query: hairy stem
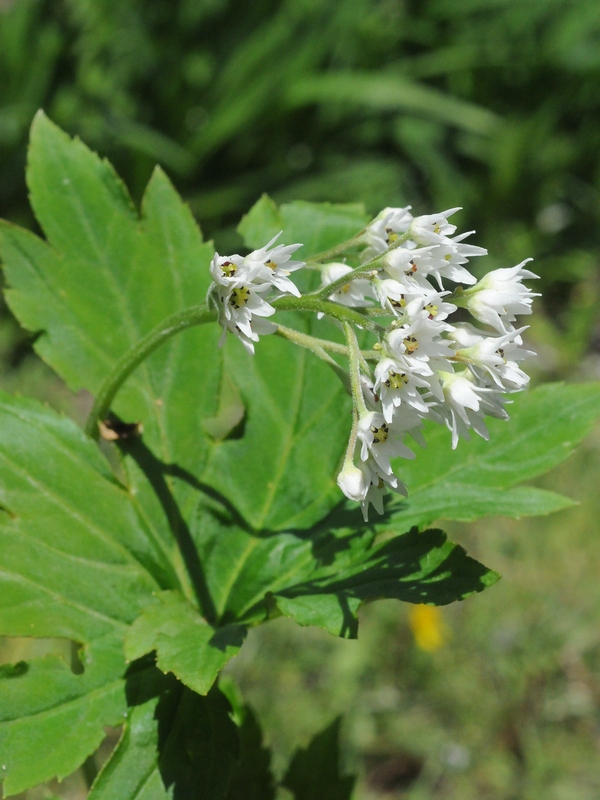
<point>197,315</point>
<point>349,457</point>
<point>334,310</point>
<point>318,347</point>
<point>355,359</point>
<point>305,340</point>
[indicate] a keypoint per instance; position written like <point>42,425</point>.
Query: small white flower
<point>500,295</point>
<point>272,266</point>
<point>367,484</point>
<point>379,483</point>
<point>385,230</point>
<point>240,312</point>
<point>241,280</point>
<point>432,228</point>
<point>396,383</point>
<point>446,260</point>
<point>466,405</point>
<point>496,356</point>
<point>353,293</point>
<point>381,441</point>
<point>391,295</point>
<point>422,340</point>
<point>409,267</point>
<point>229,270</point>
<point>428,302</point>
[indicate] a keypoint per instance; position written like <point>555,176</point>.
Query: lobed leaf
<point>296,408</point>
<point>52,719</point>
<point>321,577</point>
<point>184,642</point>
<point>105,279</point>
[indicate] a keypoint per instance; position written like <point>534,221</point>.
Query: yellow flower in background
<point>428,627</point>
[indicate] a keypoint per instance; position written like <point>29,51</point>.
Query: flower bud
<point>353,482</point>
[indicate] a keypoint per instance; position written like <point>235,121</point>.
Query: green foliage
<point>184,643</point>
<point>157,553</point>
<point>52,719</point>
<point>132,771</point>
<point>319,226</point>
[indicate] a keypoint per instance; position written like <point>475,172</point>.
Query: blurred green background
<point>489,104</point>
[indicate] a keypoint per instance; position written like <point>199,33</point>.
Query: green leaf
<point>77,561</point>
<point>104,279</point>
<point>52,719</point>
<point>132,771</point>
<point>175,743</point>
<point>467,502</point>
<point>476,479</point>
<point>318,226</point>
<point>251,778</point>
<point>320,577</point>
<point>413,567</point>
<point>199,743</point>
<point>185,644</point>
<point>314,772</point>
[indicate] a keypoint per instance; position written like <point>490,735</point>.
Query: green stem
<point>355,356</point>
<point>305,340</point>
<point>317,346</point>
<point>349,457</point>
<point>334,310</point>
<point>197,315</point>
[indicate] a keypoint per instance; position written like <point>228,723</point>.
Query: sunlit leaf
<point>52,719</point>
<point>184,642</point>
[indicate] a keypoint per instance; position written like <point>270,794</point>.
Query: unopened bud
<point>353,482</point>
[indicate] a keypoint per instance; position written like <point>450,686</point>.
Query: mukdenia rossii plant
<point>210,507</point>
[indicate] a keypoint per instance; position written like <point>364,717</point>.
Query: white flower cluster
<point>455,374</point>
<point>242,282</point>
<point>427,363</point>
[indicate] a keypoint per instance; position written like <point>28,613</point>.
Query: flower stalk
<point>196,315</point>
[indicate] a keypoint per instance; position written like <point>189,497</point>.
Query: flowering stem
<point>317,346</point>
<point>349,457</point>
<point>335,310</point>
<point>305,340</point>
<point>355,358</point>
<point>196,315</point>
